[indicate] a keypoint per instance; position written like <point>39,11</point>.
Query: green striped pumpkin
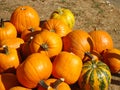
<point>95,75</point>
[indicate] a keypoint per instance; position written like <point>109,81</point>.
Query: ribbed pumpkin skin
<point>102,40</point>
<point>78,42</point>
<point>24,17</point>
<point>95,75</point>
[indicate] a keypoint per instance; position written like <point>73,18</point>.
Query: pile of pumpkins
<point>50,55</point>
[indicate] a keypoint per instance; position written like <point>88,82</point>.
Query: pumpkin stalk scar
<point>44,47</point>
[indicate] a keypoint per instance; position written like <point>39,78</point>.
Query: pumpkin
<point>34,68</point>
<point>112,58</point>
<point>7,30</point>
<point>9,58</point>
<point>8,80</point>
<point>95,75</point>
<point>12,43</point>
<point>24,17</point>
<point>68,66</point>
<point>46,42</point>
<point>102,40</point>
<point>19,88</point>
<point>78,42</point>
<point>52,84</point>
<point>65,15</point>
<point>26,34</point>
<point>55,25</point>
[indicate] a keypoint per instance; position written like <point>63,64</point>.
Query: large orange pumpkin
<point>102,40</point>
<point>24,17</point>
<point>8,58</point>
<point>112,58</point>
<point>68,66</point>
<point>78,42</point>
<point>34,68</point>
<point>8,80</point>
<point>7,30</point>
<point>55,25</point>
<point>52,84</point>
<point>46,42</point>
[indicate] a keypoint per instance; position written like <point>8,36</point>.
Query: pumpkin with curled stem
<point>102,40</point>
<point>68,66</point>
<point>34,68</point>
<point>7,30</point>
<point>112,58</point>
<point>78,42</point>
<point>55,25</point>
<point>24,17</point>
<point>65,15</point>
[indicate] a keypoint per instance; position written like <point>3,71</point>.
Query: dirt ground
<point>101,14</point>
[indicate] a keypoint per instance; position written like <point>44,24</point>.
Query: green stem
<point>43,84</point>
<point>5,48</point>
<point>44,46</point>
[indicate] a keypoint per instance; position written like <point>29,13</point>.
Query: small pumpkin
<point>78,42</point>
<point>68,66</point>
<point>8,80</point>
<point>26,34</point>
<point>34,68</point>
<point>9,58</point>
<point>65,15</point>
<point>7,30</point>
<point>55,25</point>
<point>102,40</point>
<point>112,58</point>
<point>24,17</point>
<point>52,84</point>
<point>19,88</point>
<point>95,75</point>
<point>46,42</point>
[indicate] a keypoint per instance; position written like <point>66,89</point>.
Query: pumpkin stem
<point>30,39</point>
<point>31,29</point>
<point>2,23</point>
<point>5,48</point>
<point>57,82</point>
<point>89,55</point>
<point>44,46</point>
<point>43,84</point>
<point>60,11</point>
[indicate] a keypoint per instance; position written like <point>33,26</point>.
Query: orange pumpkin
<point>112,58</point>
<point>9,58</point>
<point>24,17</point>
<point>52,84</point>
<point>78,42</point>
<point>57,26</point>
<point>8,80</point>
<point>19,88</point>
<point>7,30</point>
<point>26,34</point>
<point>46,42</point>
<point>34,68</point>
<point>102,40</point>
<point>68,66</point>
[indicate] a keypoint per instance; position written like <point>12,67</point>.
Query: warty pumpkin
<point>68,66</point>
<point>24,17</point>
<point>7,30</point>
<point>55,25</point>
<point>65,15</point>
<point>34,68</point>
<point>102,40</point>
<point>8,80</point>
<point>112,58</point>
<point>53,84</point>
<point>95,75</point>
<point>8,58</point>
<point>78,42</point>
<point>46,42</point>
